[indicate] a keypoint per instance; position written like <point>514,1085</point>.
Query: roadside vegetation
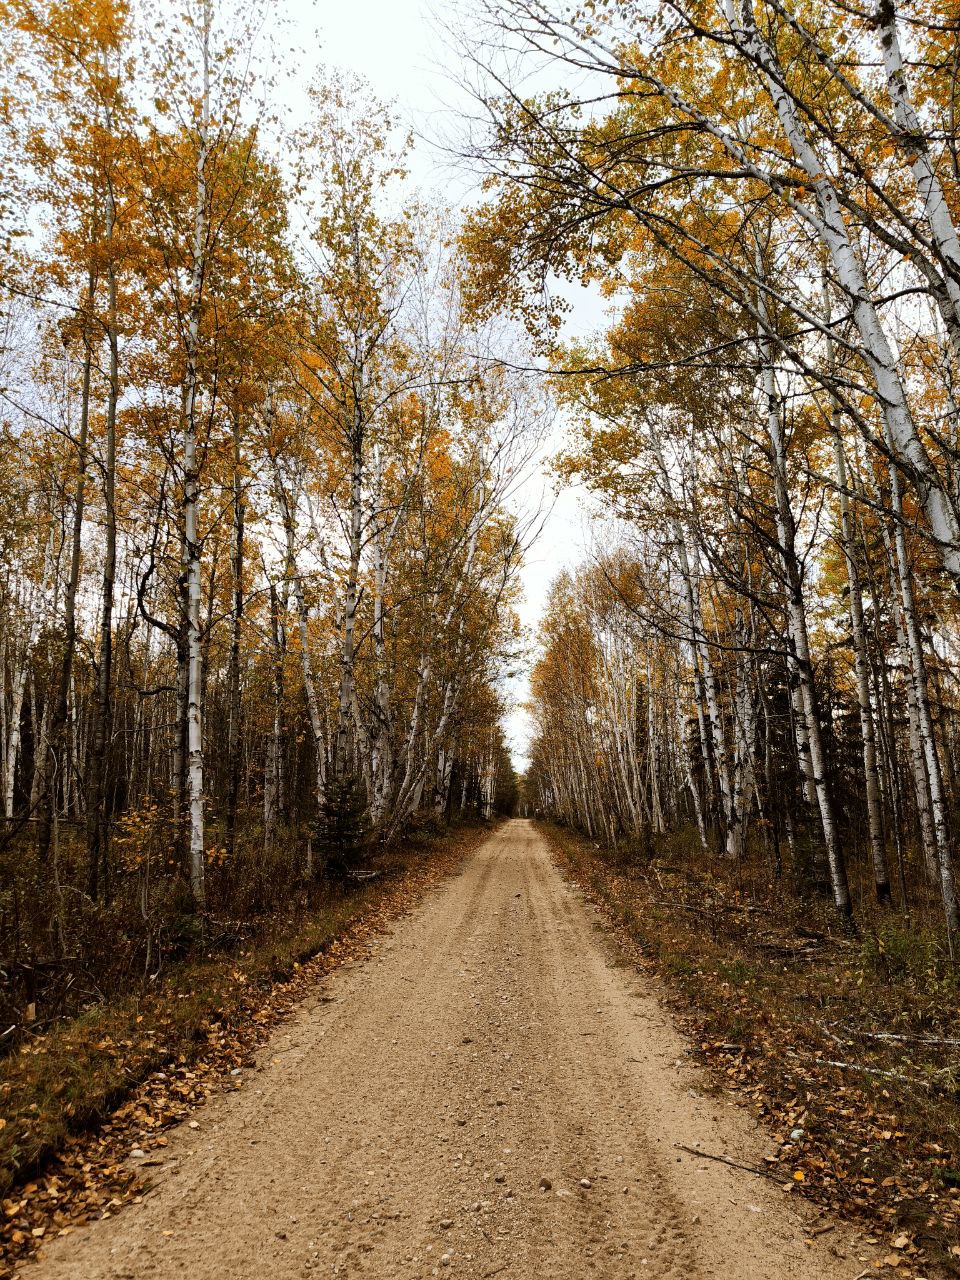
<point>847,1048</point>
<point>81,1095</point>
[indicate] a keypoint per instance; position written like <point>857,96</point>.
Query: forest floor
<point>844,1047</point>
<point>491,1089</point>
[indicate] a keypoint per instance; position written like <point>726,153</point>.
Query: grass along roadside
<point>848,1050</point>
<point>78,1100</point>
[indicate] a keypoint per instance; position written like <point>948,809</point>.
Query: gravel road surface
<point>488,1094</point>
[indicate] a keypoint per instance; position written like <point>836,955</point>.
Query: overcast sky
<point>397,46</point>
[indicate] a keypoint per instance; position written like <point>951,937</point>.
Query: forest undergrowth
<point>83,1095</point>
<point>846,1047</point>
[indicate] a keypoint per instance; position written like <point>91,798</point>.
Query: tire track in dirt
<point>402,1124</point>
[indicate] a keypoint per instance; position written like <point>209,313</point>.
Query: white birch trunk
<point>938,797</point>
<point>877,351</point>
<point>936,209</point>
<point>191,489</point>
<point>306,657</point>
<point>861,667</point>
<point>861,662</point>
<point>797,622</point>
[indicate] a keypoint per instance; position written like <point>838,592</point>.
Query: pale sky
<point>395,45</point>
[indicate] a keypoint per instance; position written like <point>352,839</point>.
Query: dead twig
<point>827,1032</point>
<point>808,951</point>
<point>734,1164</point>
<point>873,1071</point>
<point>936,1041</point>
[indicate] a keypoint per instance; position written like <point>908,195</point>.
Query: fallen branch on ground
<point>873,1071</point>
<point>734,1164</point>
<point>890,1035</point>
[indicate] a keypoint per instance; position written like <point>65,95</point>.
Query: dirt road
<point>487,1095</point>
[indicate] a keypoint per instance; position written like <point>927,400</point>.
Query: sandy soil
<point>441,1107</point>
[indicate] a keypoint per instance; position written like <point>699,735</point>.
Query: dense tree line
<point>767,193</point>
<point>257,558</point>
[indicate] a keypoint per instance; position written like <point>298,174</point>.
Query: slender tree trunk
<point>191,496</point>
<point>21,674</point>
<point>98,817</point>
<point>924,718</point>
<point>236,624</point>
<point>306,658</point>
<point>61,704</point>
<point>913,138</point>
<point>271,780</point>
<point>797,620</point>
<point>900,428</point>
<point>346,724</point>
<point>881,878</point>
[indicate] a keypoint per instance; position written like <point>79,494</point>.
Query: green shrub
<point>899,952</point>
